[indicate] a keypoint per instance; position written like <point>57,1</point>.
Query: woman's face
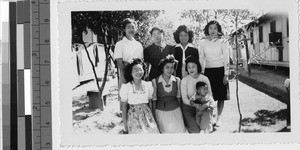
<point>137,71</point>
<point>168,69</point>
<point>157,36</point>
<point>183,37</point>
<point>130,30</point>
<point>213,30</point>
<point>192,68</point>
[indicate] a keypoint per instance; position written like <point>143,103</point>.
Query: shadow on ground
<point>265,117</point>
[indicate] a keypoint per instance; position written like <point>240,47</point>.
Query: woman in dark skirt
<point>214,54</point>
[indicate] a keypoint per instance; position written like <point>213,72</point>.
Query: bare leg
<point>220,107</point>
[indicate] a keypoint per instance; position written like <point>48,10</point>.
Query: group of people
<point>172,89</point>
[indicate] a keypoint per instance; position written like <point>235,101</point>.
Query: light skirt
<point>170,121</point>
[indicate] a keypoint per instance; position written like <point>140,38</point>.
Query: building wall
<point>271,54</point>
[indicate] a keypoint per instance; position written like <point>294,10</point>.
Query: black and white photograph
<point>136,72</point>
<point>113,39</point>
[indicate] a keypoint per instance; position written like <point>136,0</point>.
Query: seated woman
<point>137,93</point>
<point>167,96</point>
<point>188,88</point>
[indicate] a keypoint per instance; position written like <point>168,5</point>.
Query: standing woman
<point>155,52</point>
<point>188,88</point>
<point>215,60</point>
<point>167,98</point>
<point>184,48</point>
<point>127,49</point>
<point>138,94</point>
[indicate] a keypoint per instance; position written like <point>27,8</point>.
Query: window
<point>260,30</point>
<point>273,26</point>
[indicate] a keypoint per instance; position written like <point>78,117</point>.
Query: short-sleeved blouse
<point>130,95</point>
<point>128,49</point>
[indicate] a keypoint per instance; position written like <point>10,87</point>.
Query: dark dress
<point>178,56</point>
<point>153,54</point>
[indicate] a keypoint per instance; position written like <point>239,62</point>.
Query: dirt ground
<point>261,113</point>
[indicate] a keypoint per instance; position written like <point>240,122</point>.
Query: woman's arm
<point>184,93</point>
<point>124,115</point>
<point>152,96</point>
<point>202,56</point>
<point>206,80</point>
<point>124,104</point>
<point>225,49</point>
<point>179,91</point>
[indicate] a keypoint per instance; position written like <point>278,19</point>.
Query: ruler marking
<point>41,71</point>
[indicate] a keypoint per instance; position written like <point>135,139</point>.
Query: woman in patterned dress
<point>138,94</point>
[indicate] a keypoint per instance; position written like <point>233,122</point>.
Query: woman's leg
<point>220,107</point>
<point>189,114</point>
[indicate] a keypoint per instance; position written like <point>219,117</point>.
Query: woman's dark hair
<point>200,84</point>
<point>185,29</point>
<point>158,29</point>
<point>210,23</point>
<point>125,22</point>
<point>168,59</point>
<point>191,59</point>
<point>128,69</point>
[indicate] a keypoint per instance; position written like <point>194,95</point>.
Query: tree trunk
<point>105,73</point>
<point>96,78</point>
<point>237,71</point>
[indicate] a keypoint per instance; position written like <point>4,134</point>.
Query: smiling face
<point>202,91</point>
<point>137,71</point>
<point>192,68</point>
<point>213,30</point>
<point>183,37</point>
<point>130,30</point>
<point>168,69</point>
<point>157,36</point>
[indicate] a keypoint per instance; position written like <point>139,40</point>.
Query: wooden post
<point>94,99</point>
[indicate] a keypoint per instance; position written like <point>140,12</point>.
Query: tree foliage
<point>107,25</point>
<point>226,18</point>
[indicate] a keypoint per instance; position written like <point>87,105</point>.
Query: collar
<point>126,39</point>
<point>163,45</point>
<point>161,79</point>
<point>188,45</point>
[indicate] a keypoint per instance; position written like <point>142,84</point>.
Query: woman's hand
<point>225,79</point>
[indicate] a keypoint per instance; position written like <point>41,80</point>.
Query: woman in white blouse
<point>138,94</point>
<point>188,88</point>
<point>214,57</point>
<point>127,49</point>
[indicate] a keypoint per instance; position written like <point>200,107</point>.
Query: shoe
<point>216,125</point>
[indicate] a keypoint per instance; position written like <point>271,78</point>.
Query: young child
<point>204,104</point>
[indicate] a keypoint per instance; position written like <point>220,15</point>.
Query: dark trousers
<point>189,116</point>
